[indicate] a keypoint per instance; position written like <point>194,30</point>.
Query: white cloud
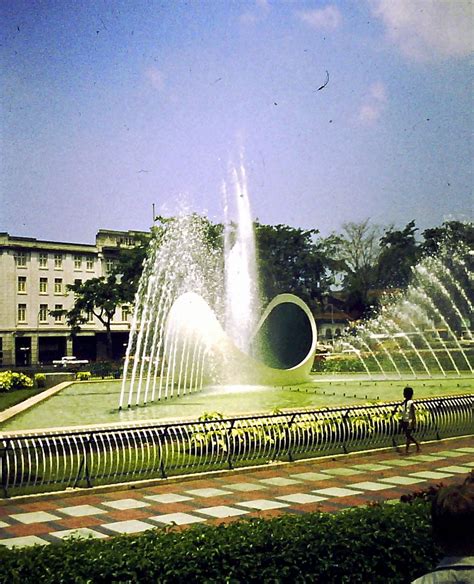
<point>368,114</point>
<point>328,17</point>
<point>156,78</point>
<point>259,12</point>
<point>428,29</point>
<point>374,104</point>
<point>378,92</point>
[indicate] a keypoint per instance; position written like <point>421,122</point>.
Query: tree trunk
<point>109,342</point>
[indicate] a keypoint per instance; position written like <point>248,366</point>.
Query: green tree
<point>448,235</point>
<point>129,266</point>
<point>399,253</point>
<point>292,260</point>
<point>99,296</point>
<point>448,253</point>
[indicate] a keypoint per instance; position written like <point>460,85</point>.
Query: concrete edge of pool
<point>32,401</point>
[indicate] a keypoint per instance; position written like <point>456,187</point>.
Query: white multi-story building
<point>34,276</point>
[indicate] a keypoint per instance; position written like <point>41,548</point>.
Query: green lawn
<point>11,398</point>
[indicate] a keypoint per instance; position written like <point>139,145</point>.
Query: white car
<point>70,362</point>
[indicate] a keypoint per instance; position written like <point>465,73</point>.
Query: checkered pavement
<point>327,484</point>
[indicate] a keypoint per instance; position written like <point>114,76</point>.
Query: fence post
<point>162,435</point>
<point>229,442</point>
<point>88,451</point>
<point>84,466</point>
<point>396,429</point>
<point>6,444</point>
<point>345,426</point>
<point>440,407</point>
<point>290,423</point>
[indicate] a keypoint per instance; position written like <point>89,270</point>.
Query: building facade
<point>331,318</point>
<point>34,276</point>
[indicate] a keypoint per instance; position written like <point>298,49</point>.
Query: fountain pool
<point>95,403</point>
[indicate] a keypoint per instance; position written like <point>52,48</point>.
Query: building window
<point>90,316</point>
<point>125,313</point>
<point>58,285</point>
<point>20,259</point>
<point>128,241</point>
<point>109,265</point>
<point>77,282</point>
<point>43,285</point>
<point>21,284</point>
<point>43,313</point>
<point>43,260</point>
<point>22,313</point>
<point>58,261</point>
<point>77,262</point>
<point>89,264</point>
<point>58,317</point>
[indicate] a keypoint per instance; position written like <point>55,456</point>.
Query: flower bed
<point>9,380</point>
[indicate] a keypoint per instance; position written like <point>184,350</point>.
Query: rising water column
<point>186,333</point>
<point>242,305</point>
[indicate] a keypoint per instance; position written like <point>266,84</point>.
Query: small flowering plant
<point>10,380</point>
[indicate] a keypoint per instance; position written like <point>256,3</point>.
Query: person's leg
<point>411,438</point>
<point>407,441</point>
<point>418,447</point>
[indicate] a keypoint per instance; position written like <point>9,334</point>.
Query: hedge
<point>381,543</point>
<point>351,363</point>
<point>339,364</point>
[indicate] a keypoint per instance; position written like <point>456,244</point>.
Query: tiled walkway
<point>328,484</point>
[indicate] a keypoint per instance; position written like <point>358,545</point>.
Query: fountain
<point>199,334</point>
<point>198,319</point>
<point>425,331</point>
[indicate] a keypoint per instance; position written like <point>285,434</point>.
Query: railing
<point>44,461</point>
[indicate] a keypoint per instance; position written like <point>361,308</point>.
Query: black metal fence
<point>32,462</point>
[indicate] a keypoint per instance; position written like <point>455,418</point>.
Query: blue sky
<point>110,106</point>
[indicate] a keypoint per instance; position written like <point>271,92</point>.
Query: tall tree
<point>399,253</point>
<point>357,249</point>
<point>99,296</point>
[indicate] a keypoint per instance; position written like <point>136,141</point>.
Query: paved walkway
<point>328,484</point>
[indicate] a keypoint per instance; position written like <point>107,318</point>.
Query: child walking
<point>408,420</point>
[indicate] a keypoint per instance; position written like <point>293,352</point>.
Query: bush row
<point>351,363</point>
<point>339,364</point>
<point>379,543</point>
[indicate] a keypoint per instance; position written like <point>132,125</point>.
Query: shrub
<point>83,375</point>
<point>10,380</point>
<point>105,369</point>
<point>40,380</point>
<point>380,543</point>
<point>339,364</point>
<point>101,369</point>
